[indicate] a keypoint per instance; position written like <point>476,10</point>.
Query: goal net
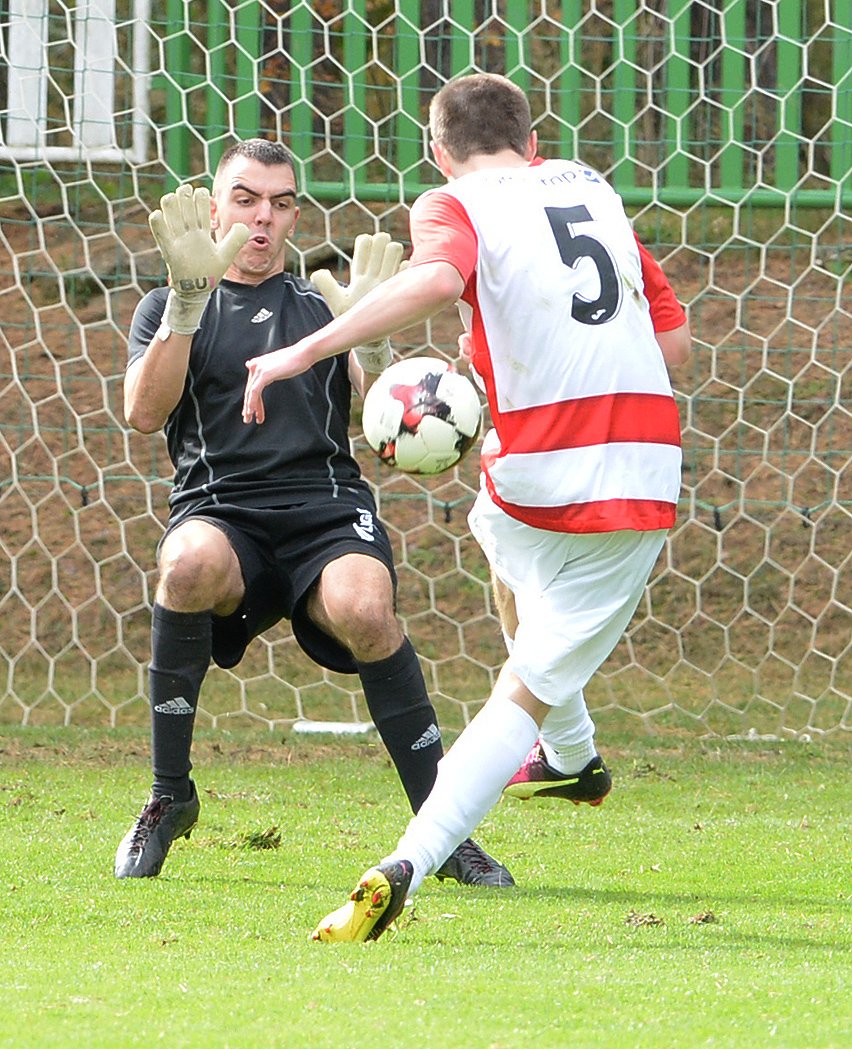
<point>726,126</point>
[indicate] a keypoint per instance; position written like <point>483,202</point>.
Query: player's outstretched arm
<point>411,296</point>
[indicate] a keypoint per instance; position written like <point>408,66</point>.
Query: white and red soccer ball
<point>421,416</point>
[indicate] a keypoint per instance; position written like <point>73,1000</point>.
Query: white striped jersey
<point>586,432</point>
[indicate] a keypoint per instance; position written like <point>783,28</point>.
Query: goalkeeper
<point>270,522</point>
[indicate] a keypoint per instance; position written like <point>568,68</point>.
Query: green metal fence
<point>678,104</point>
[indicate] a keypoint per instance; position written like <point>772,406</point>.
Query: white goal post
<point>727,128</point>
<point>89,130</point>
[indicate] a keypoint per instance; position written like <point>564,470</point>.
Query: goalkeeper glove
<point>375,258</point>
<point>196,263</point>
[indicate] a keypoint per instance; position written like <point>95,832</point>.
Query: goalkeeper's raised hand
<point>196,263</point>
<point>375,258</point>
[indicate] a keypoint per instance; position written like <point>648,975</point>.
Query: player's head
<point>255,183</point>
<point>263,150</point>
<point>480,114</point>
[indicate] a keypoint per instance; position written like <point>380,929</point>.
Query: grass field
<point>707,903</point>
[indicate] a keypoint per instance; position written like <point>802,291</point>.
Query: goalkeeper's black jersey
<point>304,443</point>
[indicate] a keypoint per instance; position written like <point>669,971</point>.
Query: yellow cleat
<point>376,902</point>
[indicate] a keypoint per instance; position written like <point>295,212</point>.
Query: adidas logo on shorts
<point>178,705</point>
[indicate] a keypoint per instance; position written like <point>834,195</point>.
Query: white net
<point>727,127</point>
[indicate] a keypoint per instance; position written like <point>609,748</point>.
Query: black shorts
<point>282,552</point>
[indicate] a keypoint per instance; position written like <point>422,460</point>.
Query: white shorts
<point>574,595</point>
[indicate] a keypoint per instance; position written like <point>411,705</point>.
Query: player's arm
<point>444,257</point>
<point>410,297</point>
<point>181,227</point>
<point>675,344</point>
<point>671,326</point>
<point>154,382</point>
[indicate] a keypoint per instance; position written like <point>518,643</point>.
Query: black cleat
<point>144,848</point>
<point>536,779</point>
<point>373,905</point>
<point>471,865</point>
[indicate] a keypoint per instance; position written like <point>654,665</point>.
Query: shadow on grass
<point>687,899</point>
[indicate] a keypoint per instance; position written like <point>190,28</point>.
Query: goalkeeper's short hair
<point>262,150</point>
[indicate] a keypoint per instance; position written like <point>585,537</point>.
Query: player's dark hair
<point>481,113</point>
<point>263,150</point>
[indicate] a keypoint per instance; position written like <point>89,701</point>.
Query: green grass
<point>705,904</point>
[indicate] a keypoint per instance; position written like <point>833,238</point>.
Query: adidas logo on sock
<point>178,705</point>
<point>430,736</point>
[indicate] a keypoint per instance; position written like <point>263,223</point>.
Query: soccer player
<point>268,522</point>
<point>571,332</point>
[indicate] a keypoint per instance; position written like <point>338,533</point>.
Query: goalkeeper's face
<point>263,197</point>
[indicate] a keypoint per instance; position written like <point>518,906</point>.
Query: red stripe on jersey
<point>609,515</point>
<point>649,418</point>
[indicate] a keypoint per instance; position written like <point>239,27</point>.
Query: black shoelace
<point>474,856</point>
<point>148,819</point>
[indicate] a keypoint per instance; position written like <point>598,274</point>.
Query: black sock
<point>180,656</point>
<point>401,711</point>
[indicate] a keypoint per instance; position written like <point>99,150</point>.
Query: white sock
<point>471,777</point>
<point>569,759</point>
<point>568,736</point>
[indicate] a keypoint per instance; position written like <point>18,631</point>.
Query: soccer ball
<point>421,416</point>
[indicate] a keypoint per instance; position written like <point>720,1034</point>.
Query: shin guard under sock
<point>405,719</point>
<point>180,656</point>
